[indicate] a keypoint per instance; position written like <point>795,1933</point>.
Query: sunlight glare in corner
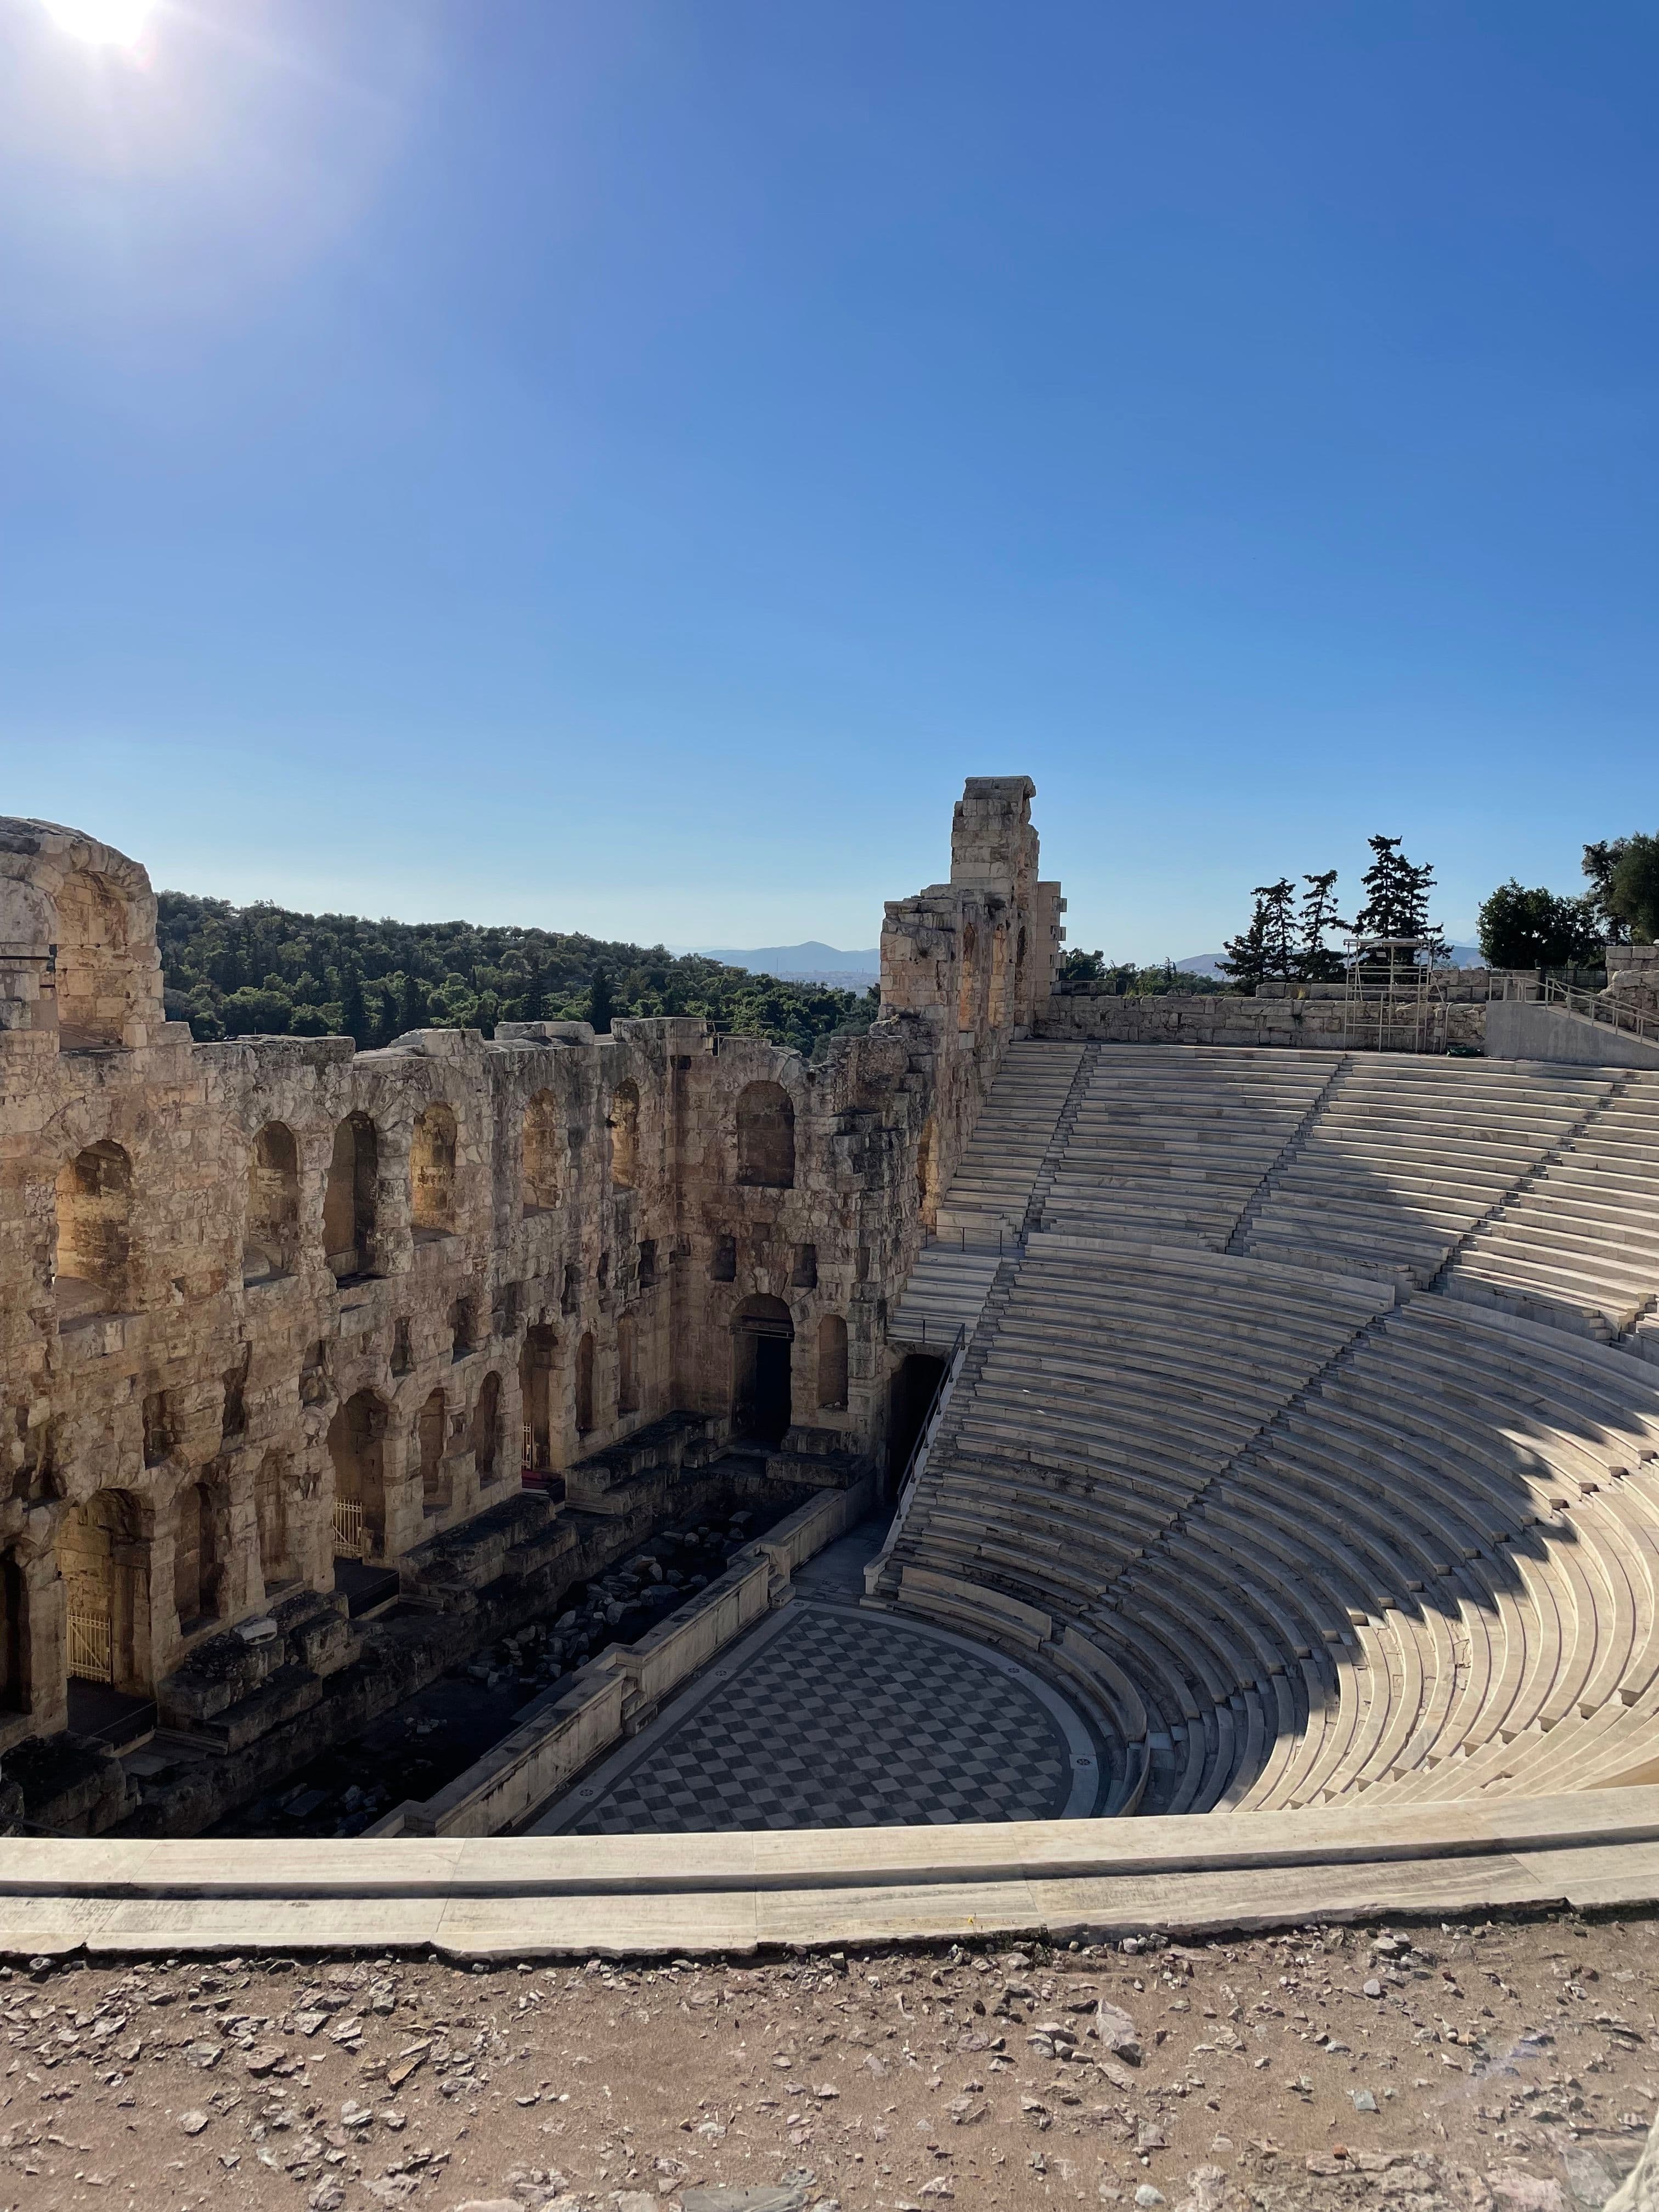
<point>102,22</point>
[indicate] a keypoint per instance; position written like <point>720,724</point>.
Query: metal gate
<point>349,1527</point>
<point>91,1646</point>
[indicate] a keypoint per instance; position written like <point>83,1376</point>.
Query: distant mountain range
<point>811,962</point>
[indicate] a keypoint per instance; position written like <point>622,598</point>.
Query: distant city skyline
<point>620,468</point>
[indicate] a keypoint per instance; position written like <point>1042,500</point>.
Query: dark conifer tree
<point>1316,961</point>
<point>412,1005</point>
<point>1244,961</point>
<point>600,1006</point>
<point>354,1015</point>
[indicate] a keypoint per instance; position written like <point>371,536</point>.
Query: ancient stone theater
<point>1099,1407</point>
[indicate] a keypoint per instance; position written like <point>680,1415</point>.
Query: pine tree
<point>1278,926</point>
<point>354,1015</point>
<point>412,1005</point>
<point>1316,962</point>
<point>1397,898</point>
<point>532,1005</point>
<point>1244,961</point>
<point>600,1006</point>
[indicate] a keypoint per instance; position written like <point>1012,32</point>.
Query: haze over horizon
<point>620,468</point>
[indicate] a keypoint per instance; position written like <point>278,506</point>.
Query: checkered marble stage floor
<point>833,1718</point>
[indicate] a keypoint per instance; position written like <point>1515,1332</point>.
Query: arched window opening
<point>628,1380</point>
<point>762,1334</point>
<point>1019,968</point>
<point>357,1445</point>
<point>723,1261</point>
<point>16,1684</point>
<point>535,1391</point>
<point>429,1446</point>
<point>997,1010</point>
<point>543,1146</point>
<point>766,1137</point>
<point>487,1429</point>
<point>463,1327</point>
<point>585,1385</point>
<point>196,1557</point>
<point>350,1198</point>
<point>103,1558</point>
<point>968,977</point>
<point>93,977</point>
<point>94,1210</point>
<point>804,1275</point>
<point>432,1173</point>
<point>269,1240</point>
<point>270,1507</point>
<point>624,1125</point>
<point>927,1171</point>
<point>832,1361</point>
<point>157,1427</point>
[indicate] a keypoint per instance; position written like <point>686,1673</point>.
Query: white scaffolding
<point>1396,998</point>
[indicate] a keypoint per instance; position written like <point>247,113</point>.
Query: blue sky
<point>620,464</point>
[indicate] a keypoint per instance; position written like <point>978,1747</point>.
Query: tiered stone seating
<point>984,1211</point>
<point>1405,1157</point>
<point>1484,1488</point>
<point>1110,1385</point>
<point>1170,1141</point>
<point>1579,1246</point>
<point>991,1187</point>
<point>1312,1532</point>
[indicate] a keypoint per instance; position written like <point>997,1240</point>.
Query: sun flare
<point>102,22</point>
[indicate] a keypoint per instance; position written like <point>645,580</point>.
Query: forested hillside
<point>236,971</point>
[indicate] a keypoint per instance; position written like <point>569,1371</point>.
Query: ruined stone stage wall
<point>271,1300</point>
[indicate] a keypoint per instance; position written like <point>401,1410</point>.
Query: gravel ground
<point>1508,2066</point>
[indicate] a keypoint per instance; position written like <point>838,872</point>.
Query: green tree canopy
<point>235,971</point>
<point>1520,928</point>
<point>1633,891</point>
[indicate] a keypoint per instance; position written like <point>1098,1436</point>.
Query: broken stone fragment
<point>1118,2032</point>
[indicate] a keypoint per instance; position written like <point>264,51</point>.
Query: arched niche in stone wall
<point>357,1445</point>
<point>270,1234</point>
<point>762,1335</point>
<point>543,1150</point>
<point>351,1198</point>
<point>92,1269</point>
<point>432,1172</point>
<point>766,1137</point>
<point>624,1125</point>
<point>103,1552</point>
<point>968,977</point>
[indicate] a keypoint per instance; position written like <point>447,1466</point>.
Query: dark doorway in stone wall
<point>762,1335</point>
<point>916,1386</point>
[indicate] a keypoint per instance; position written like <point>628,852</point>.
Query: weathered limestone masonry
<point>1081,1012</point>
<point>973,960</point>
<point>277,1304</point>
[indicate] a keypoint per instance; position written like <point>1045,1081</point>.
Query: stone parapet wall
<point>1080,1015</point>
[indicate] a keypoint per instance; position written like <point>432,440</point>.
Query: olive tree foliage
<point>1624,880</point>
<point>1520,928</point>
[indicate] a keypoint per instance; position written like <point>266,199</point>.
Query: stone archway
<point>104,1559</point>
<point>763,1334</point>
